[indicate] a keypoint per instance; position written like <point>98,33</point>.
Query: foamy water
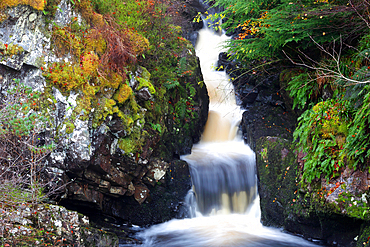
<point>224,200</point>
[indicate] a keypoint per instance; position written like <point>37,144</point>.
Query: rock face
<point>334,211</point>
<point>285,204</point>
<point>100,176</point>
<point>55,225</point>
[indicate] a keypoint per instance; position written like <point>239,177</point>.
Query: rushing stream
<point>224,198</point>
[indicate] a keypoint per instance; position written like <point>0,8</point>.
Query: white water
<point>227,209</point>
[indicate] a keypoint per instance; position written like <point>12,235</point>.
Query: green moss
<point>127,145</point>
<point>363,238</point>
<point>105,108</point>
<point>69,127</point>
<point>144,81</point>
<point>8,50</point>
<point>354,206</point>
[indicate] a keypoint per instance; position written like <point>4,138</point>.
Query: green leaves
<point>21,116</point>
<point>266,27</point>
<point>321,134</point>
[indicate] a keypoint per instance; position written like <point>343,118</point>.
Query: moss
<point>111,80</point>
<point>36,4</point>
<point>106,107</point>
<point>127,145</point>
<point>94,41</point>
<point>10,49</point>
<point>354,206</point>
<point>277,173</point>
<point>69,128</point>
<point>142,43</point>
<point>332,124</point>
<point>363,238</point>
<point>88,13</point>
<point>123,93</point>
<point>67,42</point>
<point>144,81</point>
<point>134,142</point>
<point>90,63</point>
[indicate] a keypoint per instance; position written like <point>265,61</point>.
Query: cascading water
<point>226,208</point>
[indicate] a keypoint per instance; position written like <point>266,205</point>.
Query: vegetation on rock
<point>327,42</point>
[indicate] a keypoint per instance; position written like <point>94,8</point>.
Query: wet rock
<point>193,37</point>
<point>248,94</point>
<point>141,193</point>
<point>224,62</point>
<point>117,191</point>
<point>283,204</point>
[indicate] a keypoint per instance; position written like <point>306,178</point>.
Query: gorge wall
<point>117,140</point>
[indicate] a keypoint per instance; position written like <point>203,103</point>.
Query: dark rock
<point>143,94</point>
<point>283,205</point>
<point>197,25</point>
<point>263,120</point>
<point>163,202</point>
<point>248,94</point>
<point>193,38</point>
<point>223,62</point>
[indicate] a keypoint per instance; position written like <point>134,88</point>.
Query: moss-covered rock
<point>284,203</point>
<point>277,178</point>
<point>51,225</point>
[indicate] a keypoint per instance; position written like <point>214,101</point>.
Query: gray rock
<point>24,28</point>
<point>144,94</point>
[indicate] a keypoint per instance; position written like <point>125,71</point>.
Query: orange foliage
<point>36,4</point>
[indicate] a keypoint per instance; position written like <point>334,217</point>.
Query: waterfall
<point>224,195</point>
<point>222,167</point>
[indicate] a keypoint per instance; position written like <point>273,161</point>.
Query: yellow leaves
<point>90,63</point>
<point>123,93</point>
<point>36,4</point>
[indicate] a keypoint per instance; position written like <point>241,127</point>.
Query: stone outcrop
<point>99,176</point>
<point>51,224</point>
<point>285,204</point>
<point>333,212</point>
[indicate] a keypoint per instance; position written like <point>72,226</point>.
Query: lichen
<point>36,4</point>
<point>3,16</point>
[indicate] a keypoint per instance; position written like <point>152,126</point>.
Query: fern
<point>181,66</point>
<point>273,25</point>
<point>171,84</point>
<point>180,108</point>
<point>191,89</point>
<point>303,90</point>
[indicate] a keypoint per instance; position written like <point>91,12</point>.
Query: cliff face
<point>333,210</point>
<point>116,141</point>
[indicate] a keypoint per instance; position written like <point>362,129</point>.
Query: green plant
<point>321,134</point>
<point>23,150</point>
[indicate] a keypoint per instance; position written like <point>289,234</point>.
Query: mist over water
<point>224,200</point>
